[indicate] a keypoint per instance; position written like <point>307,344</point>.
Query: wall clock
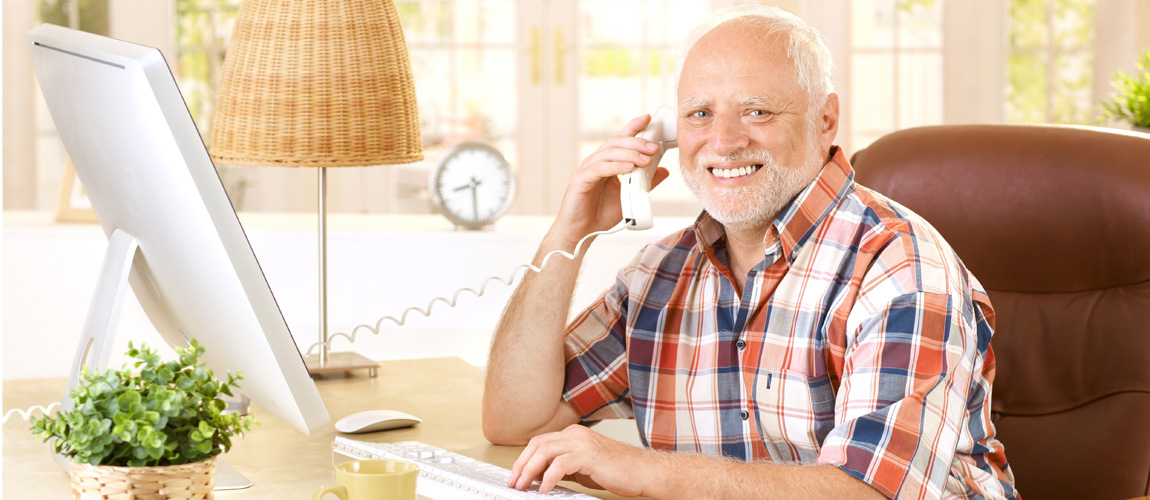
<point>472,185</point>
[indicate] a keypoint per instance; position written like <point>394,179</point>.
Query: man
<point>806,338</point>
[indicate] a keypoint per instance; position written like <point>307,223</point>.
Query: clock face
<point>473,185</point>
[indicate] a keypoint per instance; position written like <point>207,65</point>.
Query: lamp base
<point>341,362</point>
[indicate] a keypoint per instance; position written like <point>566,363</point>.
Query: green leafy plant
<point>166,414</point>
<point>1131,101</point>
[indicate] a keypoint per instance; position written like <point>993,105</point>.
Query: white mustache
<point>706,159</point>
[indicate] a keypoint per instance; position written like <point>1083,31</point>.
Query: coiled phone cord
<point>26,414</point>
<point>455,298</point>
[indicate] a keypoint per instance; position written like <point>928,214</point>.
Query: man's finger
<point>535,466</point>
<point>631,142</point>
<point>560,467</point>
<point>517,468</point>
<point>636,125</point>
<point>610,160</point>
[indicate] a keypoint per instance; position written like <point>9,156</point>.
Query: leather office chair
<point>1055,223</point>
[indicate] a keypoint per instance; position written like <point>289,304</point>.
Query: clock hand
<point>474,199</point>
<point>469,185</point>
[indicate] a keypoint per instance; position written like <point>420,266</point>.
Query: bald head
<point>804,45</point>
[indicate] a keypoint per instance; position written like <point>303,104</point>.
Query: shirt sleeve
<point>596,384</point>
<point>911,362</point>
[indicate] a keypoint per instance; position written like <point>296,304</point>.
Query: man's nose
<point>729,135</point>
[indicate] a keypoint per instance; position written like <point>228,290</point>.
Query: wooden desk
<point>283,462</point>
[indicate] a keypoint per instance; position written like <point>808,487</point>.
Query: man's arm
<point>525,371</point>
<point>583,455</point>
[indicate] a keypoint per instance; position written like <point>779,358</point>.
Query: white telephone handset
<point>634,194</point>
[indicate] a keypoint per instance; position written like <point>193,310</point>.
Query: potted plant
<point>131,431</point>
<point>1131,100</point>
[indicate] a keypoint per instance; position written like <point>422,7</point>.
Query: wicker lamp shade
<point>316,83</point>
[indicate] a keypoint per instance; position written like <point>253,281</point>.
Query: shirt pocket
<point>794,412</point>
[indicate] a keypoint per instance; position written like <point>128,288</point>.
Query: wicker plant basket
<point>192,481</point>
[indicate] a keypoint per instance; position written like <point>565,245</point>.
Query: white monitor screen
<point>147,173</point>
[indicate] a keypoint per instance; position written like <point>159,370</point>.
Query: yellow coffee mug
<point>373,480</point>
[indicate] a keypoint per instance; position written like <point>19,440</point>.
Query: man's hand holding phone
<point>591,202</point>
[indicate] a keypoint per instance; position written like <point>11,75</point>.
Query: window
<point>464,61</point>
<point>83,15</point>
<point>1050,61</point>
<point>203,28</point>
<point>895,67</point>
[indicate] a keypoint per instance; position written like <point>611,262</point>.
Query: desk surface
<point>283,462</point>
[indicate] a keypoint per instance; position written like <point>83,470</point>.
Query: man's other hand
<point>582,455</point>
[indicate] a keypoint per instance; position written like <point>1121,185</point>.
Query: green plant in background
<point>167,414</point>
<point>1131,100</point>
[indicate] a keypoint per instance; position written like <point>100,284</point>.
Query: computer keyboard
<point>445,475</point>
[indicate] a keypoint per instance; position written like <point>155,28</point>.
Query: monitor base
<point>228,478</point>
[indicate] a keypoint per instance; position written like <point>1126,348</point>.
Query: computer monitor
<point>173,234</point>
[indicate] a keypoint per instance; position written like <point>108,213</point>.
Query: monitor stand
<point>95,347</point>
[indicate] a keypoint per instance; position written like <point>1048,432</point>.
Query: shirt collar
<point>795,225</point>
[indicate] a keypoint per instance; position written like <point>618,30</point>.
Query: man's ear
<point>829,122</point>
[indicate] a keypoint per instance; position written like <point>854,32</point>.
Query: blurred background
<point>547,81</point>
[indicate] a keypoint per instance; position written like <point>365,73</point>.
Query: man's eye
<point>699,114</point>
<point>759,112</point>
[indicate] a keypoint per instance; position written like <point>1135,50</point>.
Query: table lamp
<point>317,83</point>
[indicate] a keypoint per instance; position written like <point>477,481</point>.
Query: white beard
<point>753,205</point>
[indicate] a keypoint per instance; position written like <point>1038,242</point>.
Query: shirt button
<point>741,344</point>
<point>744,415</point>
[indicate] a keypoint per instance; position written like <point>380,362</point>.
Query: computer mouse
<point>375,420</point>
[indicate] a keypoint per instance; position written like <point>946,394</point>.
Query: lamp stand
<point>324,361</point>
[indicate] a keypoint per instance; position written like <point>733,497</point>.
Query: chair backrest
<point>1055,223</point>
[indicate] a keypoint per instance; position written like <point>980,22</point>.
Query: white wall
<point>377,264</point>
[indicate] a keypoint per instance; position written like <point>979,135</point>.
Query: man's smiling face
<point>748,141</point>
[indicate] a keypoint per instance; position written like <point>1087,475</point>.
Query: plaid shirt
<point>860,341</point>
